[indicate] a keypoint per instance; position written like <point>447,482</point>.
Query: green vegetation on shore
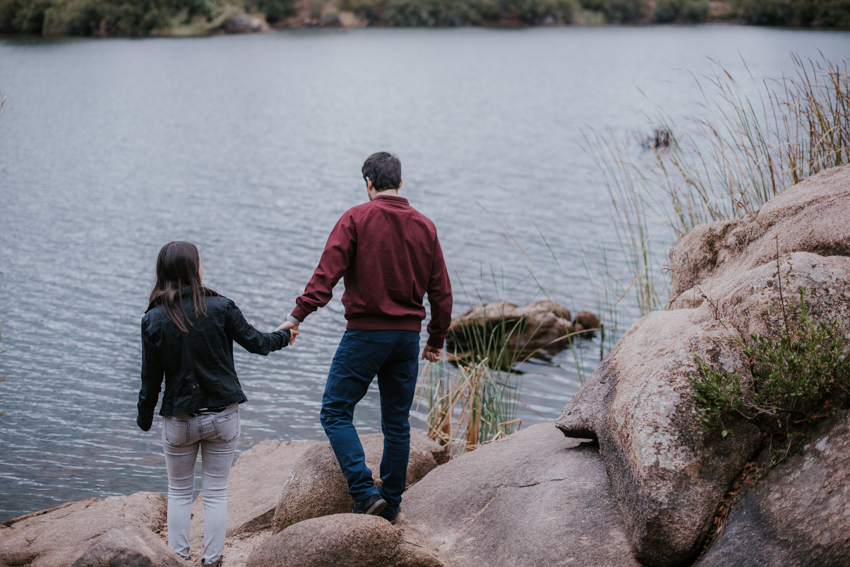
<point>131,17</point>
<point>197,17</point>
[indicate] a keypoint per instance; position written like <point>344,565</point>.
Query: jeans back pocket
<point>175,432</point>
<point>227,427</point>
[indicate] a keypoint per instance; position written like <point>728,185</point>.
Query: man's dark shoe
<point>373,506</point>
<point>389,516</point>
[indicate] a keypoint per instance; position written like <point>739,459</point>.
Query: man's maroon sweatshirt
<point>390,258</point>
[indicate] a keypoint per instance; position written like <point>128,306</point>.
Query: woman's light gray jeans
<point>216,434</point>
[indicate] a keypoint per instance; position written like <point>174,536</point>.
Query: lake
<point>251,147</point>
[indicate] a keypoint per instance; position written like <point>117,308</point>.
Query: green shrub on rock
<point>800,377</point>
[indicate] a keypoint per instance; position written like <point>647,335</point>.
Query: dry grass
<point>469,405</point>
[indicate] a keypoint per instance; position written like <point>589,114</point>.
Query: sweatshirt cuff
<point>435,342</point>
<point>300,313</point>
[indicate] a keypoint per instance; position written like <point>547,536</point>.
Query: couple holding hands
<point>389,256</point>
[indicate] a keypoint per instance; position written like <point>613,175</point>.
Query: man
<point>390,257</point>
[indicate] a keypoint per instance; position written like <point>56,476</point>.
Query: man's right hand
<point>432,354</point>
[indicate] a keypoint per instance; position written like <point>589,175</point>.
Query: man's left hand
<point>432,354</point>
<point>287,325</point>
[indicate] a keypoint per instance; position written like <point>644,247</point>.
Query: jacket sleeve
<point>336,258</point>
<point>440,297</point>
<point>152,374</point>
<point>249,338</point>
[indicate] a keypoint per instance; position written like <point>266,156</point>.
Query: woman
<point>187,336</point>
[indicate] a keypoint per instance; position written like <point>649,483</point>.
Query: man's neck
<point>388,193</point>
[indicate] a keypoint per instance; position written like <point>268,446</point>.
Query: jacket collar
<point>391,198</point>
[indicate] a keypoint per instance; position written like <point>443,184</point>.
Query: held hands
<point>432,354</point>
<point>292,329</point>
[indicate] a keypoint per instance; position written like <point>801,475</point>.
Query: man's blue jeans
<point>393,357</point>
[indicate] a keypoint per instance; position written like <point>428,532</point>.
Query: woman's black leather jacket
<point>198,365</point>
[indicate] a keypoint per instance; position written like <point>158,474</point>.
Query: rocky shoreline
<point>625,477</point>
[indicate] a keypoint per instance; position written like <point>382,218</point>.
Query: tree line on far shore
<point>195,17</point>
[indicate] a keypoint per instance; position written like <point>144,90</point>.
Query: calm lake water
<point>251,148</point>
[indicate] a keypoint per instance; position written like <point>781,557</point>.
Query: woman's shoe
<point>216,564</point>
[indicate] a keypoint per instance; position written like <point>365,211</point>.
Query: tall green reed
<point>720,165</point>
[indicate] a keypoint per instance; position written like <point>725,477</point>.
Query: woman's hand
<point>292,329</point>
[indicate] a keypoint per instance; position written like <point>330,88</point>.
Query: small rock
<point>129,548</point>
<point>586,322</point>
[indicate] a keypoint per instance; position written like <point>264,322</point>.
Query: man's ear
<point>400,181</point>
<point>369,184</point>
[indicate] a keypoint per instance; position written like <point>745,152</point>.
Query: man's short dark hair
<point>383,170</point>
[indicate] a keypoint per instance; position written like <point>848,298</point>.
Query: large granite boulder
<point>799,515</point>
<point>342,540</point>
<point>316,487</point>
<point>750,301</point>
<point>253,489</point>
<point>61,536</point>
<point>811,216</point>
<point>534,498</point>
<point>666,475</point>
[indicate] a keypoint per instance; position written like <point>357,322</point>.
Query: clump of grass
<point>470,405</point>
<point>799,378</point>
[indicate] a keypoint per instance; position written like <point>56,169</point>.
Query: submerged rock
<point>534,498</point>
<point>797,516</point>
<point>342,540</point>
<point>541,325</point>
<point>316,487</point>
<point>587,323</point>
<point>667,477</point>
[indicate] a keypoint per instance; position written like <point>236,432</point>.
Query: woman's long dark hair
<point>177,268</point>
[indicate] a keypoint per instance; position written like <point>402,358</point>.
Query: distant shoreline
<point>171,18</point>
